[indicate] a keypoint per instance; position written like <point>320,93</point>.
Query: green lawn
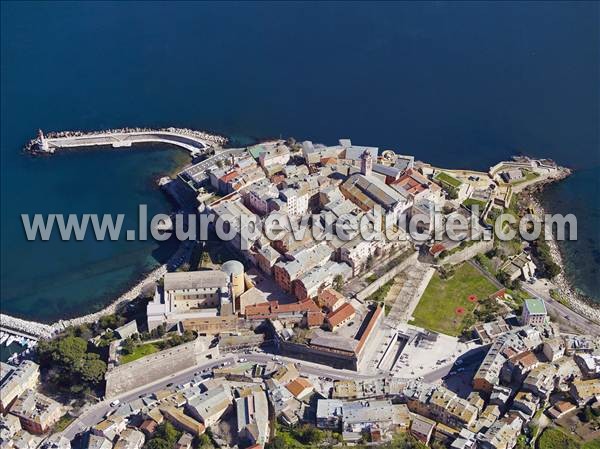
<point>471,201</point>
<point>63,422</point>
<point>528,176</point>
<point>436,310</point>
<point>553,438</point>
<point>447,179</point>
<point>139,352</point>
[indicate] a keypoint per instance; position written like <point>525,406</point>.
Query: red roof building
<point>340,316</point>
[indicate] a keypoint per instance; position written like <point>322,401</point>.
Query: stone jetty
<point>27,327</point>
<point>192,140</point>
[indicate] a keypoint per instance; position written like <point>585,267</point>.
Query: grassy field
<point>447,179</point>
<point>554,438</point>
<point>437,308</point>
<point>139,352</point>
<point>470,202</point>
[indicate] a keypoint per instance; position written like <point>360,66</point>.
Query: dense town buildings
<point>306,330</point>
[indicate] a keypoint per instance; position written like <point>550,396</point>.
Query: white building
<point>208,407</point>
<point>329,413</point>
<point>296,201</point>
<point>534,312</point>
<point>279,154</point>
<point>188,293</point>
<point>14,381</point>
<point>258,196</point>
<point>130,439</point>
<point>253,416</point>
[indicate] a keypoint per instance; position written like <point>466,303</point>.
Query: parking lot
<point>422,356</point>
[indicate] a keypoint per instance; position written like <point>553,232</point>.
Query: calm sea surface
<point>460,85</point>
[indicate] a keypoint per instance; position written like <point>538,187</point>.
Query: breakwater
<point>196,142</point>
<point>32,328</point>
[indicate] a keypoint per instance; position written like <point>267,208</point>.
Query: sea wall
<point>27,327</point>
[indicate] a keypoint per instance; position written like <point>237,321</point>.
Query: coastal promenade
<point>196,142</point>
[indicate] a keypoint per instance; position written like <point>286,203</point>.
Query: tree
<point>308,434</point>
<point>92,369</point>
<point>278,442</point>
<point>69,351</point>
<point>168,433</point>
<point>113,321</point>
<point>587,415</point>
<point>451,192</point>
<point>128,346</point>
<point>158,443</point>
<point>338,282</point>
<point>552,269</point>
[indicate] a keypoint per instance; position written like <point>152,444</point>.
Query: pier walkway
<point>196,142</point>
<point>193,144</point>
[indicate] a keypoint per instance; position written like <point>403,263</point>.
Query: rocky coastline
<point>568,293</point>
<point>42,330</point>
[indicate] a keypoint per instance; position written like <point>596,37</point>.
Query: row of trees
<point>309,437</point>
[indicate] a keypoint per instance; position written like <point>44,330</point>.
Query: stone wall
<point>306,353</point>
<point>132,375</point>
<point>467,253</point>
<point>372,288</point>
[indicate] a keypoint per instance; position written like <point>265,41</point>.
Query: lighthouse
<point>42,142</point>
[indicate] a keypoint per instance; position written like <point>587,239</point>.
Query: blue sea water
<point>455,84</point>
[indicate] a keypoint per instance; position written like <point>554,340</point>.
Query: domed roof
<point>232,267</point>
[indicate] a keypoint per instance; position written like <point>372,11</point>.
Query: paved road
<point>96,413</point>
<point>575,319</point>
<point>467,363</point>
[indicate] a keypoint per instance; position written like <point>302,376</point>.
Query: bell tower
<point>366,163</point>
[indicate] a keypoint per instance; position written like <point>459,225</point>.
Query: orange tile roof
<point>342,313</point>
<point>369,329</point>
<point>437,248</point>
<point>526,359</point>
<point>414,182</point>
<point>229,176</point>
<point>258,309</point>
<point>297,386</point>
<point>500,293</point>
<point>314,318</point>
<point>328,297</point>
<point>564,406</point>
<point>273,308</point>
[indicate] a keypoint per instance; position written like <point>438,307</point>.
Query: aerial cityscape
<point>299,291</point>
